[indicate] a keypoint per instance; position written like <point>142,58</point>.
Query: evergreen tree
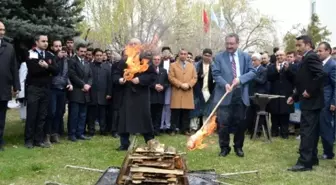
<point>24,18</point>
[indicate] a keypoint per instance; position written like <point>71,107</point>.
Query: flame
<point>196,141</point>
<point>134,65</point>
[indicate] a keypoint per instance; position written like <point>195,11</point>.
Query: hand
<point>228,88</point>
<point>122,81</point>
<point>235,82</point>
<point>43,64</point>
<point>69,87</point>
<point>108,97</point>
<point>87,87</point>
<point>290,101</point>
<point>277,65</point>
<point>135,80</point>
<point>161,87</point>
<point>332,108</point>
<point>157,87</point>
<point>286,65</point>
<point>305,94</point>
<point>185,86</point>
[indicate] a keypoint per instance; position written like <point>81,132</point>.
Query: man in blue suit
<point>232,70</point>
<point>327,116</point>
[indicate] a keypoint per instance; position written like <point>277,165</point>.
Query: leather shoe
<point>299,168</point>
<point>325,157</point>
<point>225,152</point>
<point>82,137</point>
<point>122,148</point>
<point>115,135</point>
<point>239,152</point>
<point>29,145</point>
<point>42,145</point>
<point>72,138</point>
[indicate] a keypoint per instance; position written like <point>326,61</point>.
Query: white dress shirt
<point>205,89</point>
<point>325,60</point>
<point>236,59</point>
<point>166,64</point>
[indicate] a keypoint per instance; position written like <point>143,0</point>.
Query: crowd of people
<point>174,95</point>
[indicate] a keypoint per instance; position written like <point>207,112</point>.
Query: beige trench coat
<point>182,99</point>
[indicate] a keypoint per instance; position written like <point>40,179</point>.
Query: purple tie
<point>233,62</point>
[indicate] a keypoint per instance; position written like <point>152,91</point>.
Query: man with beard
<point>100,93</point>
<point>9,77</point>
<point>41,68</point>
<point>309,91</point>
<point>134,113</point>
<point>70,46</point>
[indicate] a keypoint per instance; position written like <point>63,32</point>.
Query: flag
<point>222,19</point>
<point>214,17</point>
<point>206,23</point>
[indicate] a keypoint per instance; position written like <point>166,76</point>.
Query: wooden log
<point>155,164</point>
<point>156,170</point>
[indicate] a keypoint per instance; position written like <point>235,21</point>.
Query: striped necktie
<point>233,63</point>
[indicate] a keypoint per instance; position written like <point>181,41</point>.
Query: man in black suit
<point>9,77</point>
<point>101,92</point>
<point>280,76</point>
<point>257,85</point>
<point>157,92</point>
<point>41,67</point>
<point>81,78</point>
<point>309,91</point>
<point>273,57</point>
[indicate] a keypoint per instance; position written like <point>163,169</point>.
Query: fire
<point>196,140</point>
<point>134,65</point>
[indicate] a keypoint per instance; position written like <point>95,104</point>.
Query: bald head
<point>134,41</point>
<point>2,30</point>
<point>265,59</point>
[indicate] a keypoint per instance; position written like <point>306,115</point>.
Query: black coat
<point>281,83</point>
<point>260,83</point>
<point>9,72</point>
<point>101,83</point>
<point>134,113</point>
<point>117,91</point>
<point>310,77</point>
<point>79,75</point>
<point>162,79</point>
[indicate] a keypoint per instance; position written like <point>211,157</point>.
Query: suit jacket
<point>182,99</point>
<point>330,83</point>
<point>222,74</point>
<point>79,75</point>
<point>259,84</point>
<point>162,79</point>
<point>310,77</point>
<point>281,83</point>
<point>101,83</point>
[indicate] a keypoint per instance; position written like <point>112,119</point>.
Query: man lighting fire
<point>135,76</point>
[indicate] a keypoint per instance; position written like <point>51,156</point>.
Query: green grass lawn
<point>19,165</point>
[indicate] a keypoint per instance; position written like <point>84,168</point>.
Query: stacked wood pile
<point>153,164</point>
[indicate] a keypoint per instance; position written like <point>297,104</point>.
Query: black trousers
<point>309,133</point>
<point>115,121</point>
<point>180,119</point>
<point>109,117</point>
<point>3,111</point>
<point>37,111</point>
<point>156,113</point>
<point>232,115</point>
<point>96,112</point>
<point>282,121</point>
<point>125,142</point>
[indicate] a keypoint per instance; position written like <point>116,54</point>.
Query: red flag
<point>206,22</point>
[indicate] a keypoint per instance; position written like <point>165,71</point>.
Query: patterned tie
<point>233,62</point>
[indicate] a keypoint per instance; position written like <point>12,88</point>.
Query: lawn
<point>19,165</point>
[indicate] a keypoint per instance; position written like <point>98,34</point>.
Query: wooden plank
<point>156,170</point>
<point>155,164</point>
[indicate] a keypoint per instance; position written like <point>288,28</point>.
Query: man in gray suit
<point>232,70</point>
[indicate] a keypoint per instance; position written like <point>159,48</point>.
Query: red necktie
<point>233,62</point>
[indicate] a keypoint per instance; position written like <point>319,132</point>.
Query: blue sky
<point>290,12</point>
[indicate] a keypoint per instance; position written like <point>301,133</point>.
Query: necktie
<point>233,62</point>
<point>42,54</point>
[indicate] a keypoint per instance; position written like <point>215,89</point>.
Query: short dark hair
<point>106,50</point>
<point>207,50</point>
<point>68,39</point>
<point>233,35</point>
<point>327,46</point>
<point>291,52</point>
<point>90,49</point>
<point>275,49</point>
<point>52,43</point>
<point>307,40</point>
<point>81,45</point>
<point>165,48</point>
<point>64,48</point>
<point>37,36</point>
<point>97,50</point>
<point>190,53</point>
